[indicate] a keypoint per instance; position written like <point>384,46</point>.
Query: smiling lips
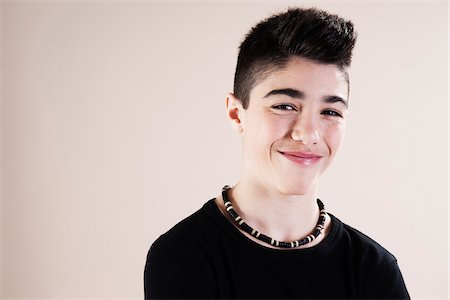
<point>302,158</point>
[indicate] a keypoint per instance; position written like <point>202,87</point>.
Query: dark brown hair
<point>309,33</point>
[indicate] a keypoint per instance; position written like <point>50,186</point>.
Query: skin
<point>300,108</point>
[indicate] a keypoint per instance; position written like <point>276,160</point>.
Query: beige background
<point>113,129</point>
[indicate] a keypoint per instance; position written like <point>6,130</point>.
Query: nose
<point>305,130</point>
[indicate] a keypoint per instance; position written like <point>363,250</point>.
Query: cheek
<point>275,130</point>
<point>277,126</point>
<point>268,128</point>
<point>334,136</point>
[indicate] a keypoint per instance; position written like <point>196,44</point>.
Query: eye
<point>284,107</point>
<point>333,113</point>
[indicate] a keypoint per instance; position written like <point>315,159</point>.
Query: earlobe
<point>234,112</point>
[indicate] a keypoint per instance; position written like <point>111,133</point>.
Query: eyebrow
<point>293,93</point>
<point>334,99</point>
<point>288,92</point>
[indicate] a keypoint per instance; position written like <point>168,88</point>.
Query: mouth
<point>302,158</point>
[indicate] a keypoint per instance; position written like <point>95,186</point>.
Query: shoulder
<point>364,246</point>
<point>181,253</point>
<point>190,233</point>
<point>375,267</point>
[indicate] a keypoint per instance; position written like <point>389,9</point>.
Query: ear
<point>235,112</point>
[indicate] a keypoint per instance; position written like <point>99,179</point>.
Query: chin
<point>296,188</point>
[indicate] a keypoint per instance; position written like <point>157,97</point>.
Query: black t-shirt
<point>205,256</point>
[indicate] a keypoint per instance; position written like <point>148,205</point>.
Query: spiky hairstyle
<point>309,33</point>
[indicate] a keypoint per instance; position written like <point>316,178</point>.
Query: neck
<point>280,216</point>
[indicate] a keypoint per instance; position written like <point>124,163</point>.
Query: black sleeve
<point>389,283</point>
<point>172,272</point>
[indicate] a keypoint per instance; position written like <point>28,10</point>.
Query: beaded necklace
<point>268,240</point>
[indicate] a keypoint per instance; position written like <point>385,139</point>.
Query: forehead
<point>314,79</point>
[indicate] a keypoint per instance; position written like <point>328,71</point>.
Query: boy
<point>269,236</point>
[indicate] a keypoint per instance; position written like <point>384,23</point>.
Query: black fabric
<point>205,256</point>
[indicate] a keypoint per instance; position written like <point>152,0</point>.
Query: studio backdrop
<point>113,128</point>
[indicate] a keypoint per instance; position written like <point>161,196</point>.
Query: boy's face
<point>294,125</point>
